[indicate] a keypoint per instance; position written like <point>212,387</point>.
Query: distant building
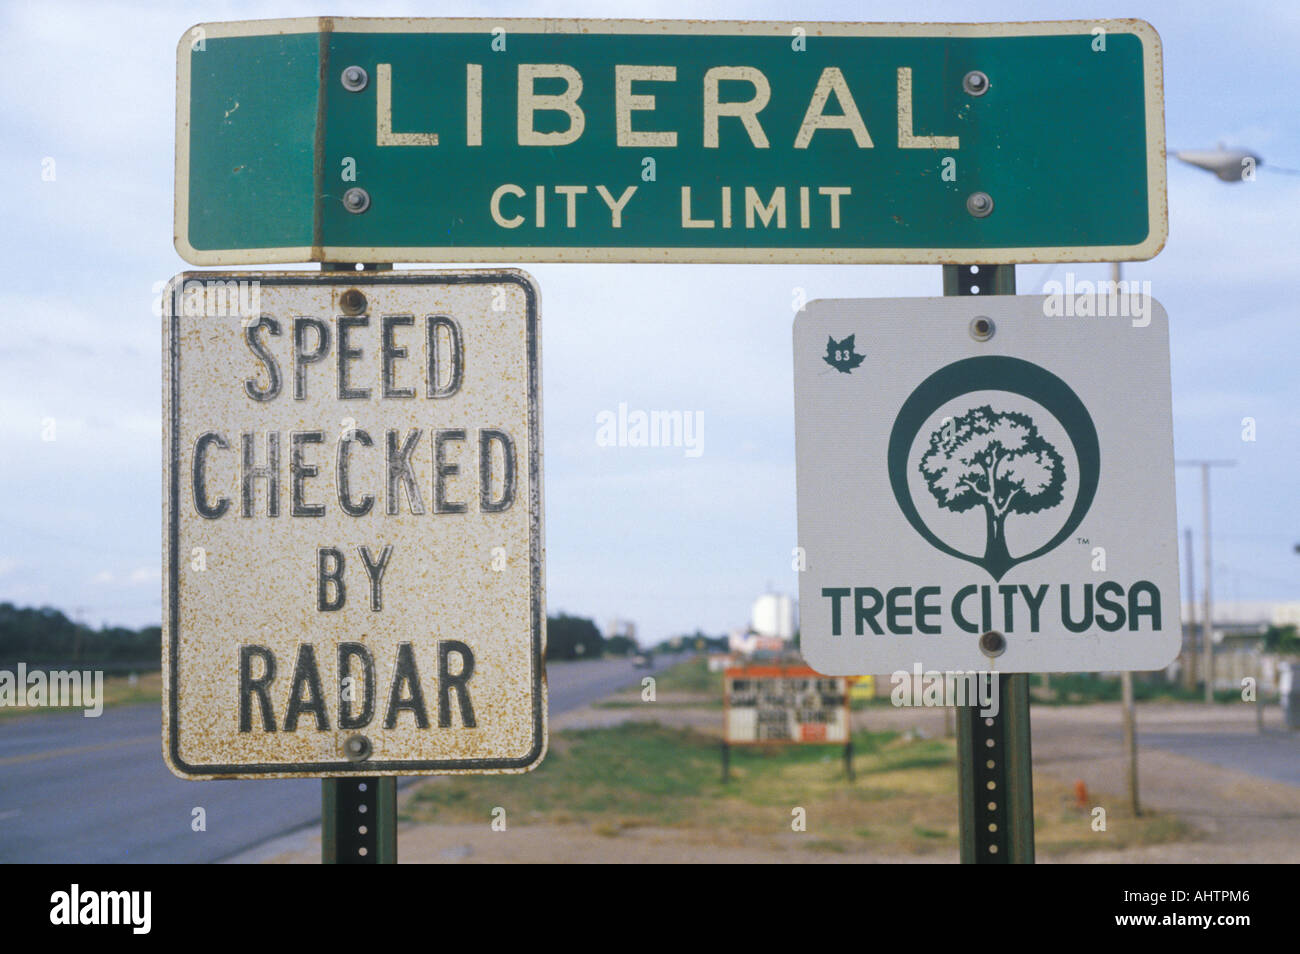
<point>772,626</point>
<point>748,643</point>
<point>1236,636</point>
<point>620,627</point>
<point>773,615</point>
<point>1244,617</point>
<point>720,662</point>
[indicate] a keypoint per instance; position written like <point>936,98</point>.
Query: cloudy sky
<point>669,541</point>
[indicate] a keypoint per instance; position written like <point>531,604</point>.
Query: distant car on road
<point>643,660</point>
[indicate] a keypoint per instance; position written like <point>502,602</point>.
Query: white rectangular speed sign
<point>986,483</point>
<point>352,524</point>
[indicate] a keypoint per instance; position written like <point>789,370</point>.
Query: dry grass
<point>645,775</point>
<point>118,691</point>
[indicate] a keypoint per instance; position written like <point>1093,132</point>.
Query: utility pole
<point>1130,739</point>
<point>1207,610</point>
<point>1259,689</point>
<point>79,626</point>
<point>1230,165</point>
<point>1189,650</point>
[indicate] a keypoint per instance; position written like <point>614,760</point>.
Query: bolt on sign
<point>784,704</point>
<point>352,524</point>
<point>986,484</point>
<point>386,140</point>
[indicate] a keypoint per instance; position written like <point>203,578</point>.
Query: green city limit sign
<point>638,141</point>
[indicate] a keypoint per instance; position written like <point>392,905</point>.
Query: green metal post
<point>358,821</point>
<point>358,815</point>
<point>996,825</point>
<point>995,807</point>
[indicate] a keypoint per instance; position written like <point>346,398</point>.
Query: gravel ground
<point>1238,817</point>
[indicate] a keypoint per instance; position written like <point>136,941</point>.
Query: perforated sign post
<point>352,537</point>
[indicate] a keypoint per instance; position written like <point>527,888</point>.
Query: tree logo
<point>995,460</point>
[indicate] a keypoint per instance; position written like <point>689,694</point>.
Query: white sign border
<point>1162,652</point>
<point>172,307</point>
<point>1153,80</point>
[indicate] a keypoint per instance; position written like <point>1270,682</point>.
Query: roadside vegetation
<point>645,775</point>
<point>46,635</point>
<point>1085,688</point>
<point>118,691</point>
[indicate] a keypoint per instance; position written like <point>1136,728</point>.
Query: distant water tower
<point>773,615</point>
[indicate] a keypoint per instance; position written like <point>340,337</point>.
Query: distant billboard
<point>765,704</point>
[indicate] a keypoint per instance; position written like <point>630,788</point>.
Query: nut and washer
<point>357,200</point>
<point>993,643</point>
<point>975,83</point>
<point>354,79</point>
<point>357,748</point>
<point>981,328</point>
<point>979,204</point>
<point>352,302</point>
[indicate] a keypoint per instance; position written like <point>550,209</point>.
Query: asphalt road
<point>1274,755</point>
<point>83,790</point>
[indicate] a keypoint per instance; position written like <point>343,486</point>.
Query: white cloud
<point>136,577</point>
<point>79,342</point>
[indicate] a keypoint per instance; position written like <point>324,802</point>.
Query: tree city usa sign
<point>353,524</point>
<point>336,139</point>
<point>1010,507</point>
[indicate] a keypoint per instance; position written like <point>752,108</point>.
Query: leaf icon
<point>841,355</point>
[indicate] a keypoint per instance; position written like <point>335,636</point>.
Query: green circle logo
<point>992,459</point>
